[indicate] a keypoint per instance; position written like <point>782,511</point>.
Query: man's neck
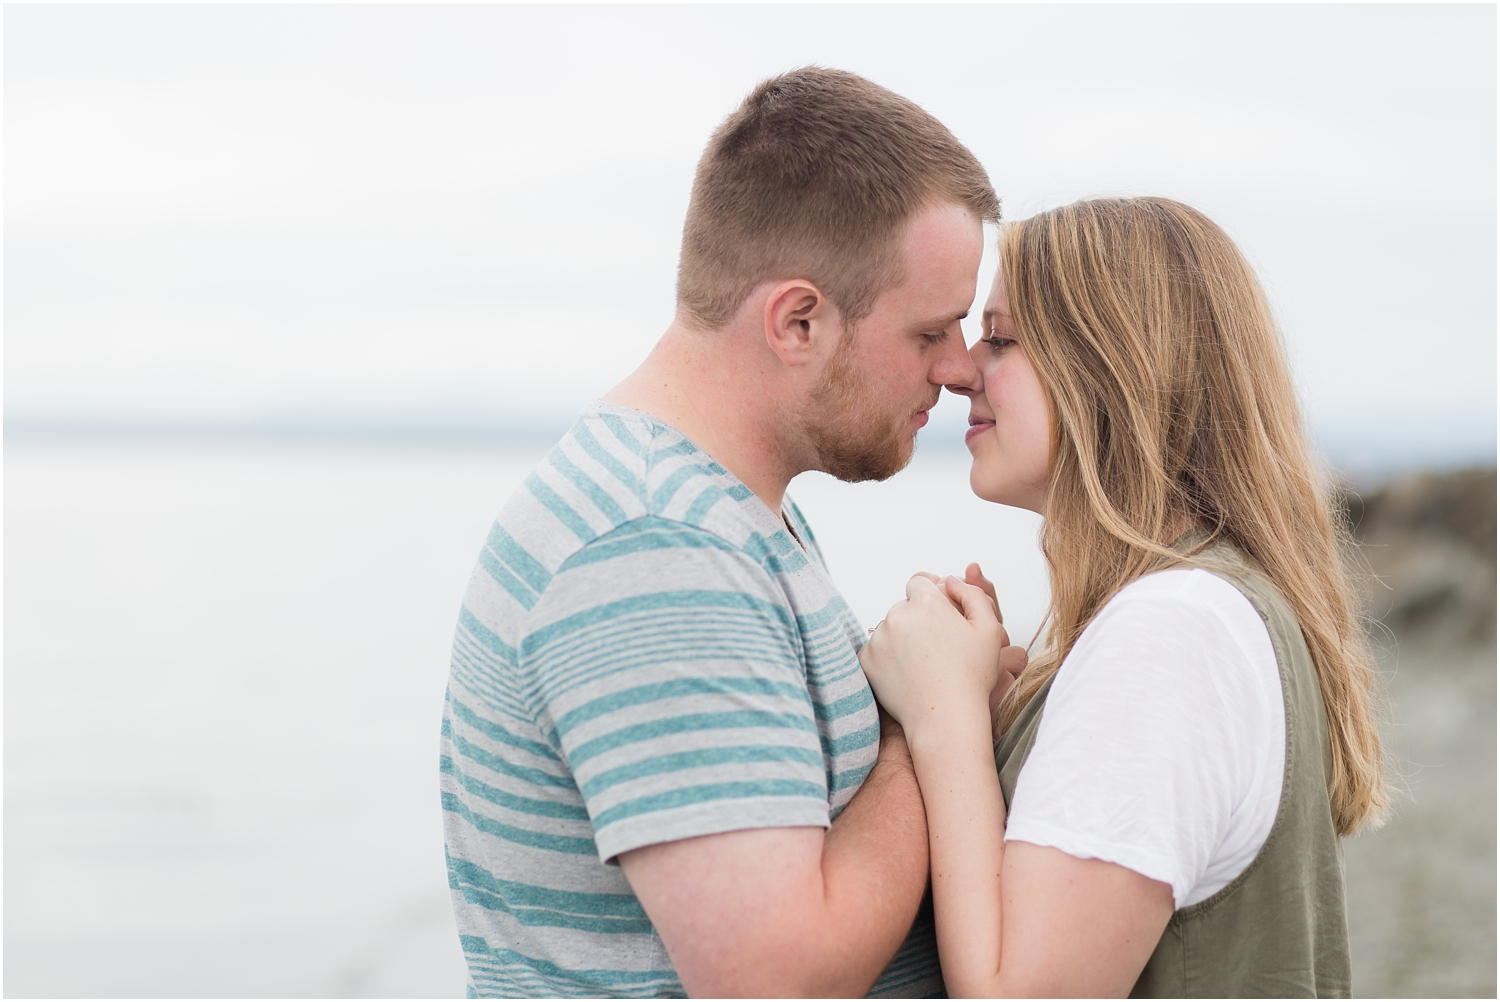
<point>713,388</point>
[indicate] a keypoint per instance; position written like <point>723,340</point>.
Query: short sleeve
<point>666,667</point>
<point>1161,742</point>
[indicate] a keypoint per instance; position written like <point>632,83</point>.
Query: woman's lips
<point>977,426</point>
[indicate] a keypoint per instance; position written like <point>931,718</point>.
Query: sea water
<point>224,675</point>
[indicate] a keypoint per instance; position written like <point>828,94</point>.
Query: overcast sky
<point>469,213</point>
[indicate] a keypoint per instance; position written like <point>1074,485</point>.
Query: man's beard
<point>855,439</point>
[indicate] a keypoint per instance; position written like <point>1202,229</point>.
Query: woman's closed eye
<point>997,341</point>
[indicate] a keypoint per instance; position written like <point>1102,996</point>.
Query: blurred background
<point>296,295</point>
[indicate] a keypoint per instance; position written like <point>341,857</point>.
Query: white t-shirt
<point>1163,741</point>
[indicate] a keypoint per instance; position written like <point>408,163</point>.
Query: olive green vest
<point>1278,929</point>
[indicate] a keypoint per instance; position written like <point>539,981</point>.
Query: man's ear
<point>799,321</point>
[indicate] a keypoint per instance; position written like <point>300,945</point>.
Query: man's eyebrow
<point>938,323</point>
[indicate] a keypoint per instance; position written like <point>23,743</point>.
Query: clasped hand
<point>942,652</point>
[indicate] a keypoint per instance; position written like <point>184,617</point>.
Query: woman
<point>1161,815</point>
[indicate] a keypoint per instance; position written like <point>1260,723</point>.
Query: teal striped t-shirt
<point>645,653</point>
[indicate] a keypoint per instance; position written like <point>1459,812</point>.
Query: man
<point>663,770</point>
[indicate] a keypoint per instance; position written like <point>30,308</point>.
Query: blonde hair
<point>815,176</point>
<point>1173,406</point>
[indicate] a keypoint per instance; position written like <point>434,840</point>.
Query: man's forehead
<point>942,249</point>
<point>943,228</point>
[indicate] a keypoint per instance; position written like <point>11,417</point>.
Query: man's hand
<point>777,912</point>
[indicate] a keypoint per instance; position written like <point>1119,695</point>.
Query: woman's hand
<point>1012,657</point>
<point>937,653</point>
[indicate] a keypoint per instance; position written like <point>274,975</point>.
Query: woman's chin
<point>982,485</point>
<point>988,487</point>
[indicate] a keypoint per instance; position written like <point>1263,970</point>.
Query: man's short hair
<point>815,176</point>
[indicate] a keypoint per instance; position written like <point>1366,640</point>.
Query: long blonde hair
<point>1172,406</point>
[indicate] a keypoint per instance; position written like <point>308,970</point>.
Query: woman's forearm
<point>955,768</point>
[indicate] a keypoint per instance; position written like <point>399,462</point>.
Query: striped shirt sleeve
<point>666,668</point>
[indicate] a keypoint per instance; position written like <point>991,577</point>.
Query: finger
<point>974,576</point>
<point>972,601</point>
<point>1013,660</point>
<point>921,584</point>
<point>951,600</point>
<point>929,576</point>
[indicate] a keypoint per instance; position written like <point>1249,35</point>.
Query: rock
<point>1422,889</point>
<point>1429,543</point>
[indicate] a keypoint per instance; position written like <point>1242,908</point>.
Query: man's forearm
<point>875,867</point>
<point>793,911</point>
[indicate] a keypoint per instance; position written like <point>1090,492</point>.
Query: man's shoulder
<point>623,482</point>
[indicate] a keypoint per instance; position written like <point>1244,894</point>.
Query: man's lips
<point>921,415</point>
<point>978,426</point>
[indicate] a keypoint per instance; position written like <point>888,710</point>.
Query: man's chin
<point>872,463</point>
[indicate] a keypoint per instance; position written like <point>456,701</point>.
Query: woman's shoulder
<point>1182,597</point>
<point>1184,625</point>
<point>1188,584</point>
<point>1177,679</point>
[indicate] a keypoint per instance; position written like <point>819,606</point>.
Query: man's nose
<point>958,372</point>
